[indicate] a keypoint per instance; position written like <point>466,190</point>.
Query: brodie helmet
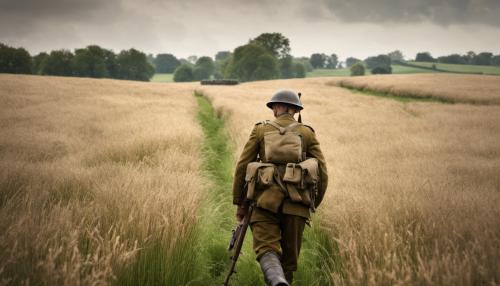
<point>285,96</point>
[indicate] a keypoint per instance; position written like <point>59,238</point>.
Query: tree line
<point>264,57</point>
<point>91,61</point>
<point>470,58</point>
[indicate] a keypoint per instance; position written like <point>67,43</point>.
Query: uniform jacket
<point>274,198</point>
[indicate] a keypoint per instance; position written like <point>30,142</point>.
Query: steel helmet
<point>285,96</point>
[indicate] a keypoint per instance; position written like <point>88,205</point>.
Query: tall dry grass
<point>414,195</point>
<point>476,89</point>
<point>99,181</point>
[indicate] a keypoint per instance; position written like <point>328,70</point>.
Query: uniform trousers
<point>278,232</point>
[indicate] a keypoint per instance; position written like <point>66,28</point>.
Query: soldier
<point>285,174</point>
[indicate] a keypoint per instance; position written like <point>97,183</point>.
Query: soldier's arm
<point>248,155</point>
<point>314,151</point>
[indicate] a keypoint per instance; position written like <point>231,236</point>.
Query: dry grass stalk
<point>91,172</point>
<point>476,89</point>
<point>414,192</point>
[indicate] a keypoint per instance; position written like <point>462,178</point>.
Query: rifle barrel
<point>239,244</point>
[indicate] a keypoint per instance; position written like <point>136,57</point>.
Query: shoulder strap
<point>283,130</point>
<point>293,125</point>
<point>277,126</point>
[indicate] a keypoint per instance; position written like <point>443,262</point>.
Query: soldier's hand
<point>241,212</point>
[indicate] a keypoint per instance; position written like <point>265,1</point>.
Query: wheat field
<point>475,89</point>
<point>414,196</point>
<point>93,179</point>
<point>100,180</point>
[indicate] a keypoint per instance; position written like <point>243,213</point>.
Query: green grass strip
<point>217,214</point>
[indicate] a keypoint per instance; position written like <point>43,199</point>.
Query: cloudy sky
<point>357,28</point>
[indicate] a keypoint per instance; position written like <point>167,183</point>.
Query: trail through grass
<point>218,212</point>
<point>319,257</point>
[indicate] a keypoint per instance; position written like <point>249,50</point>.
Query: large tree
<point>166,63</point>
<point>183,73</point>
<point>192,59</point>
<point>275,43</point>
<point>495,60</point>
<point>350,61</point>
<point>318,60</point>
<point>14,60</point>
<point>305,62</point>
<point>424,57</point>
<point>299,71</point>
<point>133,65</point>
<point>252,62</point>
<point>357,69</point>
<point>286,67</point>
<point>452,59</point>
<point>222,55</point>
<point>110,62</point>
<point>396,56</point>
<point>332,61</point>
<point>59,62</point>
<point>484,58</point>
<point>378,61</point>
<point>37,62</point>
<point>470,56</point>
<point>204,68</point>
<point>90,62</point>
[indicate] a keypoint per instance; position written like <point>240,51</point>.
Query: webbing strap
<point>283,130</point>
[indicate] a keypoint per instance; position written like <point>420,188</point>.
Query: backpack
<point>299,177</point>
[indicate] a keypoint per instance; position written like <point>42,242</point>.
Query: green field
<point>163,77</point>
<point>396,69</point>
<point>329,72</point>
<point>461,68</point>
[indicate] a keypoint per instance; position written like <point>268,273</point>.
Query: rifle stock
<point>236,242</point>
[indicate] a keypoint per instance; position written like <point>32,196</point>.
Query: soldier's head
<point>282,108</point>
<point>285,101</point>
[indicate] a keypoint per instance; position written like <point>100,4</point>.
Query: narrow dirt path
<point>217,212</point>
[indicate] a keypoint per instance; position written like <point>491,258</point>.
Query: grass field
<point>163,77</point>
<point>117,182</point>
<point>453,88</point>
<point>414,192</point>
<point>396,69</point>
<point>93,176</point>
<point>493,70</point>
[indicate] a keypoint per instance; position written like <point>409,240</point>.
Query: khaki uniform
<point>277,223</point>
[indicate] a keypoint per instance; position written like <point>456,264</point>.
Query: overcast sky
<point>357,28</point>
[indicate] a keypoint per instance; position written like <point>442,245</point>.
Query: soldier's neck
<point>284,114</point>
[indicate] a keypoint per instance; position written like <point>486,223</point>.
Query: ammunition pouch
<point>301,181</point>
<point>258,176</point>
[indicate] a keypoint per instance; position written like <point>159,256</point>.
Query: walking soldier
<point>284,174</point>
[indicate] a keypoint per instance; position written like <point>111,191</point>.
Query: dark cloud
<point>442,12</point>
<point>61,9</point>
<point>203,27</point>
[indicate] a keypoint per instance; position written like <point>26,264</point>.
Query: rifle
<point>300,116</point>
<point>236,242</point>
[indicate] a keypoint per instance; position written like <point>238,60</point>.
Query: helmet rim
<point>286,97</point>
